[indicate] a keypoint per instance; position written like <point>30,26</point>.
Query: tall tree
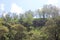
<point>14,17</point>
<point>39,13</point>
<point>29,17</point>
<point>52,30</point>
<point>50,11</point>
<point>7,17</point>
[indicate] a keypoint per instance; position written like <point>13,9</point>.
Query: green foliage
<point>26,27</point>
<point>19,27</point>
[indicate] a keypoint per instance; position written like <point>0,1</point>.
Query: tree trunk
<point>56,35</point>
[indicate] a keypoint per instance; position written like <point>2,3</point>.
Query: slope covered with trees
<point>41,24</point>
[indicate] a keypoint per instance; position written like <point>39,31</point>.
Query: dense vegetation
<point>42,24</point>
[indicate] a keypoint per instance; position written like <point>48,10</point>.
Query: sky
<point>20,6</point>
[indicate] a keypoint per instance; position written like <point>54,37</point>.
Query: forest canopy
<point>42,24</point>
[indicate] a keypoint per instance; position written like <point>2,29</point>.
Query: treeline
<point>42,24</point>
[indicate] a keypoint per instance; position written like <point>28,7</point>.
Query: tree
<point>39,12</point>
<point>7,18</point>
<point>19,32</point>
<point>28,18</point>
<point>52,30</point>
<point>21,19</point>
<point>14,17</point>
<point>3,31</point>
<point>50,11</point>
